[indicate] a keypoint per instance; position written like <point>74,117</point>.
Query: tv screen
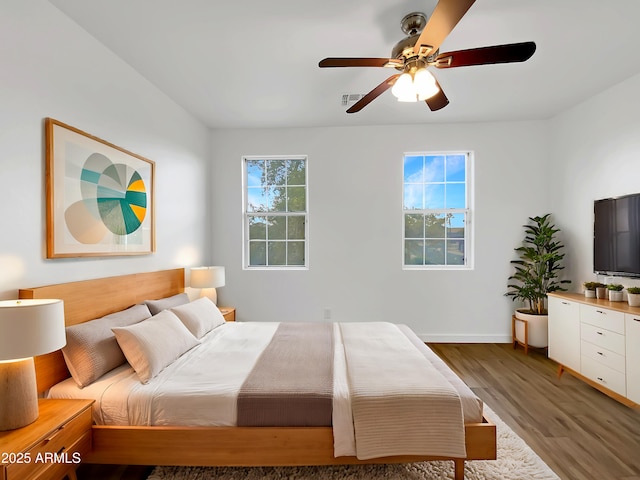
<point>616,236</point>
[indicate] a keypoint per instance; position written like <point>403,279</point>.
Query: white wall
<point>595,148</point>
<point>355,202</point>
<point>50,67</point>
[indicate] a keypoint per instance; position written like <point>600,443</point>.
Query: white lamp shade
<point>403,89</point>
<point>425,84</point>
<point>31,327</point>
<point>207,277</point>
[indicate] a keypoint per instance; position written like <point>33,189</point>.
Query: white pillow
<point>92,350</point>
<point>154,344</point>
<point>156,306</point>
<point>200,316</point>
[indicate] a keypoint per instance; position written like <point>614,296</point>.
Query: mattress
<point>201,387</point>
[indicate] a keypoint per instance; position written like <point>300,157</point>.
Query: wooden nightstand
<point>229,313</point>
<point>52,447</point>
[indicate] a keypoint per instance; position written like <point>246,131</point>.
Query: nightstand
<point>229,313</point>
<point>52,447</point>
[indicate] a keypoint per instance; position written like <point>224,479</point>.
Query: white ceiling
<point>254,63</point>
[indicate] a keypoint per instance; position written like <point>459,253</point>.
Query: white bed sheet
<point>201,387</point>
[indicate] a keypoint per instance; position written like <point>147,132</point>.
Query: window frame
<point>468,212</point>
<point>246,215</point>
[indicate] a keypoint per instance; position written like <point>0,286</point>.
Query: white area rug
<point>516,461</point>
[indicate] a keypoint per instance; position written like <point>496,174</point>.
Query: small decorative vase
<point>633,299</point>
<point>590,293</point>
<point>615,296</point>
<point>601,292</point>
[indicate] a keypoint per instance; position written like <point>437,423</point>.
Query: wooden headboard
<point>89,299</point>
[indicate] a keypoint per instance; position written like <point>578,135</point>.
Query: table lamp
<point>208,279</point>
<point>27,328</point>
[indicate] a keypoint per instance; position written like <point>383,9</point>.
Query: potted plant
<point>589,289</point>
<point>615,292</point>
<point>536,275</point>
<point>633,296</point>
<point>601,290</point>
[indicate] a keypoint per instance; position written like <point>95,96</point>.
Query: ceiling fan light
<point>425,84</point>
<point>404,89</point>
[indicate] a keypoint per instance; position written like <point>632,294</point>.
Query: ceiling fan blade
<point>444,18</point>
<point>438,101</point>
<point>513,52</point>
<point>373,94</point>
<point>355,62</point>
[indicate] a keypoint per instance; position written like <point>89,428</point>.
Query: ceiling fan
<point>420,49</point>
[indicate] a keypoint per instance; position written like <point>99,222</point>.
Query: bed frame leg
<point>458,469</point>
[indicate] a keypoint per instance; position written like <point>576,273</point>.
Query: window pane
<point>255,173</point>
<point>455,252</point>
<point>456,168</point>
<point>256,199</point>
<point>277,253</point>
<point>295,253</point>
<point>456,195</point>
<point>277,199</point>
<point>414,252</point>
<point>434,196</point>
<point>296,172</point>
<point>414,226</point>
<point>413,196</point>
<point>295,228</point>
<point>455,225</point>
<point>257,228</point>
<point>413,169</point>
<point>257,253</point>
<point>434,168</point>
<point>434,226</point>
<point>434,252</point>
<point>276,172</point>
<point>277,228</point>
<point>297,199</point>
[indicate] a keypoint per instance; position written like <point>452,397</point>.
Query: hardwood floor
<point>579,432</point>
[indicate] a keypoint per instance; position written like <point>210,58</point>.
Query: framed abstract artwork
<point>100,197</point>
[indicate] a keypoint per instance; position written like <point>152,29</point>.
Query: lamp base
<point>18,394</point>
<point>210,293</point>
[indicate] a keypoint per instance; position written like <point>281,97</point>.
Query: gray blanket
<point>291,384</point>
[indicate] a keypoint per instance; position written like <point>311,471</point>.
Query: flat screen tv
<point>616,236</point>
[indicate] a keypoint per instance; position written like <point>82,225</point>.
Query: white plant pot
<point>538,326</point>
<point>633,299</point>
<point>590,293</point>
<point>615,296</point>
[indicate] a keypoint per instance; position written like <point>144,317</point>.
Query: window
<point>436,214</point>
<point>275,212</point>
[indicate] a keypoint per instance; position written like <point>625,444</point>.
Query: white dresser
<point>597,341</point>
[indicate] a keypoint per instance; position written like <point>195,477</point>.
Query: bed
<point>227,445</point>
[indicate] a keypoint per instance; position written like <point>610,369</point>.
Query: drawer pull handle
<point>601,379</point>
<point>600,333</point>
<point>600,353</point>
<point>566,303</point>
<point>637,319</point>
<point>53,435</point>
<point>600,312</point>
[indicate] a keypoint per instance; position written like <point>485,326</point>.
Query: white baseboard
<point>464,338</point>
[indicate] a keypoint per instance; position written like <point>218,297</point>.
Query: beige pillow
<point>200,316</point>
<point>156,306</point>
<point>92,349</point>
<point>152,345</point>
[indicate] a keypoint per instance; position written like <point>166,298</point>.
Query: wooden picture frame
<point>100,197</point>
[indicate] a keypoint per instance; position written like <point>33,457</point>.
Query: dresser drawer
<point>60,451</point>
<point>603,356</point>
<point>602,338</point>
<point>603,318</point>
<point>603,375</point>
